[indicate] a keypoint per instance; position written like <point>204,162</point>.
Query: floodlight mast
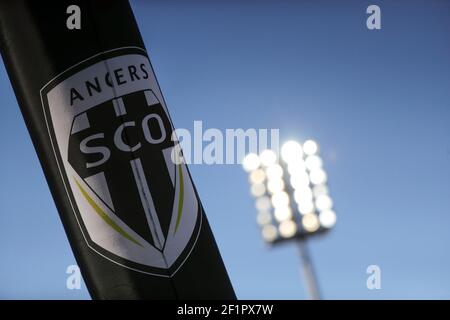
<point>292,199</point>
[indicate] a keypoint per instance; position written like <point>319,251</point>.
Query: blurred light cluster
<point>291,192</point>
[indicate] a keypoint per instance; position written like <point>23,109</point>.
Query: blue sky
<point>377,102</point>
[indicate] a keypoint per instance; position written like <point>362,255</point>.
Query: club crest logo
<point>121,166</point>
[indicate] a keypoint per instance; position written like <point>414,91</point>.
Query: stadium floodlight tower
<point>292,198</point>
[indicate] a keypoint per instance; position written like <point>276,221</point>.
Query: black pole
<point>100,127</point>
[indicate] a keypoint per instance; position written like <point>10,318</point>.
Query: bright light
<point>297,167</point>
<point>313,163</point>
<point>304,194</point>
<point>310,222</point>
<point>318,176</point>
<point>269,233</point>
<point>327,218</point>
<point>274,171</point>
<point>291,151</point>
<point>287,228</point>
<point>310,147</point>
<point>324,202</point>
<point>257,176</point>
<point>283,213</point>
<point>258,189</point>
<point>251,162</point>
<point>280,199</point>
<point>319,190</point>
<point>290,190</point>
<point>275,185</point>
<point>268,157</point>
<point>300,181</point>
<point>263,203</point>
<point>305,207</point>
<point>264,217</point>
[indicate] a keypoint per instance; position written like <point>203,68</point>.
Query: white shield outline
<point>188,246</point>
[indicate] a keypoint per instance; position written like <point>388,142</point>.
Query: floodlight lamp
<point>310,222</point>
<point>313,162</point>
<point>264,217</point>
<point>291,151</point>
<point>280,199</point>
<point>268,157</point>
<point>263,203</point>
<point>251,162</point>
<point>283,213</point>
<point>318,177</point>
<point>275,185</point>
<point>269,233</point>
<point>287,228</point>
<point>274,171</point>
<point>257,176</point>
<point>324,202</point>
<point>258,189</point>
<point>305,207</point>
<point>327,218</point>
<point>310,147</point>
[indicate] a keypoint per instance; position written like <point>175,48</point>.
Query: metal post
<point>309,275</point>
<point>50,68</point>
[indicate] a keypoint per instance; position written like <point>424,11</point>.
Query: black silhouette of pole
<point>37,49</point>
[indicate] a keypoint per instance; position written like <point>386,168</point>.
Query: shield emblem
<point>120,162</point>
